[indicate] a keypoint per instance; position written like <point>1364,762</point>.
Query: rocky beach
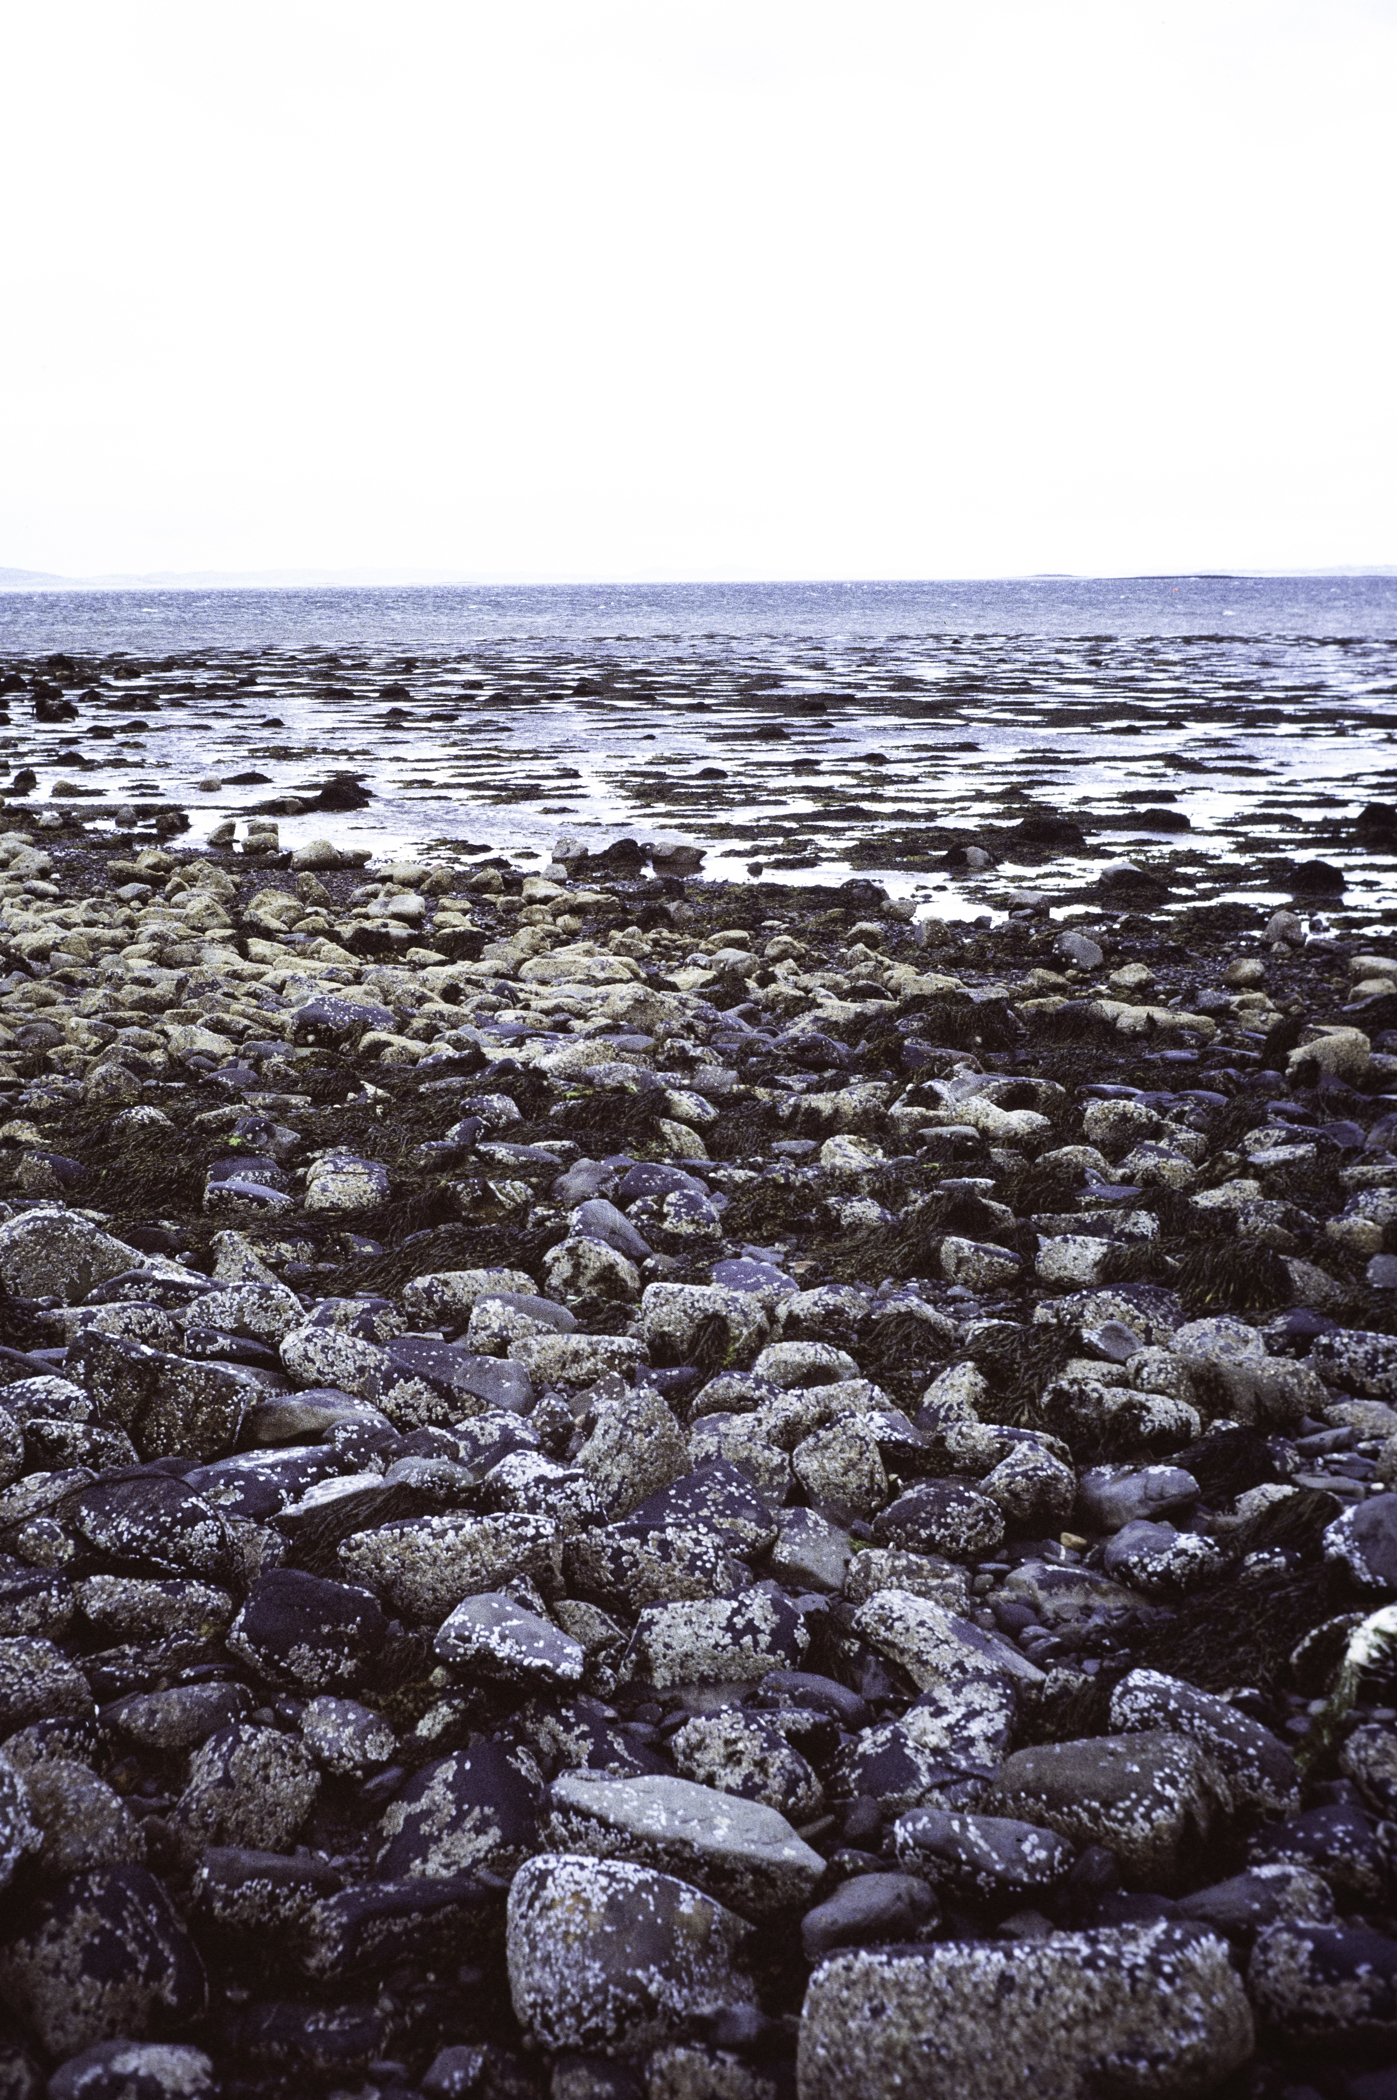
<point>719,1442</point>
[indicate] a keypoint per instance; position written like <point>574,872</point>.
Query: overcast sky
<point>698,288</point>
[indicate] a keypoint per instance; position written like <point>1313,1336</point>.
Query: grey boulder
<point>611,1958</point>
<point>1158,2011</point>
<point>742,1852</point>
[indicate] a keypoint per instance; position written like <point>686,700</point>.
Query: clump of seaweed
<point>1019,1363</point>
<point>611,1122</point>
<point>745,1132</point>
<point>776,1206</point>
<point>1239,1632</point>
<point>490,1246</point>
<point>1210,1274</point>
<point>903,1352</point>
<point>1226,1464</point>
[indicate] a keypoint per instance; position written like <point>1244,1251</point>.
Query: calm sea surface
<point>454,616</point>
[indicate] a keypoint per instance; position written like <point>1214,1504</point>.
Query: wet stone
<point>1153,1799</point>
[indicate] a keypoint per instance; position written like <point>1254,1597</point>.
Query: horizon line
<point>36,582</point>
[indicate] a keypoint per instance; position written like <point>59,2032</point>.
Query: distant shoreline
<point>18,581</point>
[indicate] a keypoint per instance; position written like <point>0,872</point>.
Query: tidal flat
<point>698,1360</point>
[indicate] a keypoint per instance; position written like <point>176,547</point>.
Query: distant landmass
<point>225,579</point>
<point>388,579</point>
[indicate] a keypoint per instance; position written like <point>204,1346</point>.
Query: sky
<point>517,289</point>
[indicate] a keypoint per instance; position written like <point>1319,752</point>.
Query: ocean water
<point>1217,731</point>
<point>457,615</point>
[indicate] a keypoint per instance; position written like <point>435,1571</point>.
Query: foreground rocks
<point>599,1496</point>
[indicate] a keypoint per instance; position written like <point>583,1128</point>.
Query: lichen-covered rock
<point>19,1832</point>
<point>636,1449</point>
<point>493,1636</point>
<point>943,1517</point>
<point>169,1406</point>
<point>424,1566</point>
<point>739,1850</point>
<point>576,1359</point>
<point>673,1315</point>
<point>989,1859</point>
<point>1358,1362</point>
<point>299,1630</point>
<point>1229,1362</point>
<point>1369,1759</point>
<point>105,1956</point>
<point>1245,1904</point>
<point>1072,2016</point>
<point>1033,1489</point>
<point>85,1823</point>
<point>135,2071</point>
<point>239,1892</point>
<point>473,1812</point>
<point>612,1958</point>
<point>747,1754</point>
<point>1260,1772</point>
<point>583,1267</point>
<point>38,1682</point>
<point>247,1786</point>
<point>1153,1799</point>
<point>150,1523</point>
<point>1325,1983</point>
<point>55,1253</point>
<point>179,1719</point>
<point>1364,1541</point>
<point>342,1181</point>
<point>346,1739</point>
<point>717,1641</point>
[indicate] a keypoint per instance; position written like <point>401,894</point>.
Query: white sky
<point>641,288</point>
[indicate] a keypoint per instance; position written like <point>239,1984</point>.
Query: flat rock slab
<point>745,1854</point>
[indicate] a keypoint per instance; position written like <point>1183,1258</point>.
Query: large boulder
<point>1153,1799</point>
<point>105,1957</point>
<point>611,1958</point>
<point>741,1851</point>
<point>1157,2011</point>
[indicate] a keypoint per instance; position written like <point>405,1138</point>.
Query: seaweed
<point>1210,1273</point>
<point>1230,1275</point>
<point>611,1122</point>
<point>744,1131</point>
<point>1072,1707</point>
<point>22,1324</point>
<point>910,1246</point>
<point>1226,1464</point>
<point>1019,1363</point>
<point>955,1021</point>
<point>1292,1524</point>
<point>316,1544</point>
<point>776,1205</point>
<point>1241,1632</point>
<point>460,1246</point>
<point>903,1353</point>
<point>1076,1023</point>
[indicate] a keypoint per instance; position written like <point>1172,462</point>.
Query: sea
<point>1216,731</point>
